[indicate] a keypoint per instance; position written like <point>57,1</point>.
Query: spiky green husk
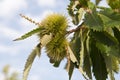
<point>56,49</point>
<point>55,24</point>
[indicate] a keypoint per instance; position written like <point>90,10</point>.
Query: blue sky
<point>13,26</point>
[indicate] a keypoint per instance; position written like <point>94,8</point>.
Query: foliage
<point>8,75</point>
<point>95,45</point>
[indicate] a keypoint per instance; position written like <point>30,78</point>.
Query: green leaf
<point>87,62</point>
<point>75,44</point>
<point>104,37</point>
<point>87,66</point>
<point>6,69</point>
<point>69,67</point>
<point>97,2</point>
<point>108,61</point>
<point>34,31</point>
<point>114,50</point>
<point>115,64</point>
<point>109,17</point>
<point>56,64</point>
<point>29,62</point>
<point>83,73</point>
<point>84,2</point>
<point>102,47</point>
<point>81,12</point>
<point>109,50</point>
<point>99,66</point>
<point>71,8</point>
<point>92,6</point>
<point>93,21</point>
<point>116,33</point>
<point>112,64</point>
<point>115,4</point>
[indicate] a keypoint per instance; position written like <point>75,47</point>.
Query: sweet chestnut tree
<point>94,47</point>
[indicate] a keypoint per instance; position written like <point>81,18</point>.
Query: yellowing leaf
<point>81,14</point>
<point>29,62</point>
<point>72,56</point>
<point>38,49</point>
<point>45,39</point>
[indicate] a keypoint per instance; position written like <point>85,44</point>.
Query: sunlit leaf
<point>84,2</point>
<point>109,17</point>
<point>108,61</point>
<point>87,65</point>
<point>29,62</point>
<point>115,64</point>
<point>109,50</point>
<point>116,33</point>
<point>81,13</point>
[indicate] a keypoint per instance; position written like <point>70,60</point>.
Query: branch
<point>76,29</point>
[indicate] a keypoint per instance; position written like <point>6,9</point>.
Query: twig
<point>76,29</point>
<point>29,19</point>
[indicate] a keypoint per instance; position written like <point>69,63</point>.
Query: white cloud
<point>45,13</point>
<point>2,77</point>
<point>37,18</point>
<point>9,7</point>
<point>47,3</point>
<point>18,47</point>
<point>103,3</point>
<point>8,32</point>
<point>11,50</point>
<point>34,77</point>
